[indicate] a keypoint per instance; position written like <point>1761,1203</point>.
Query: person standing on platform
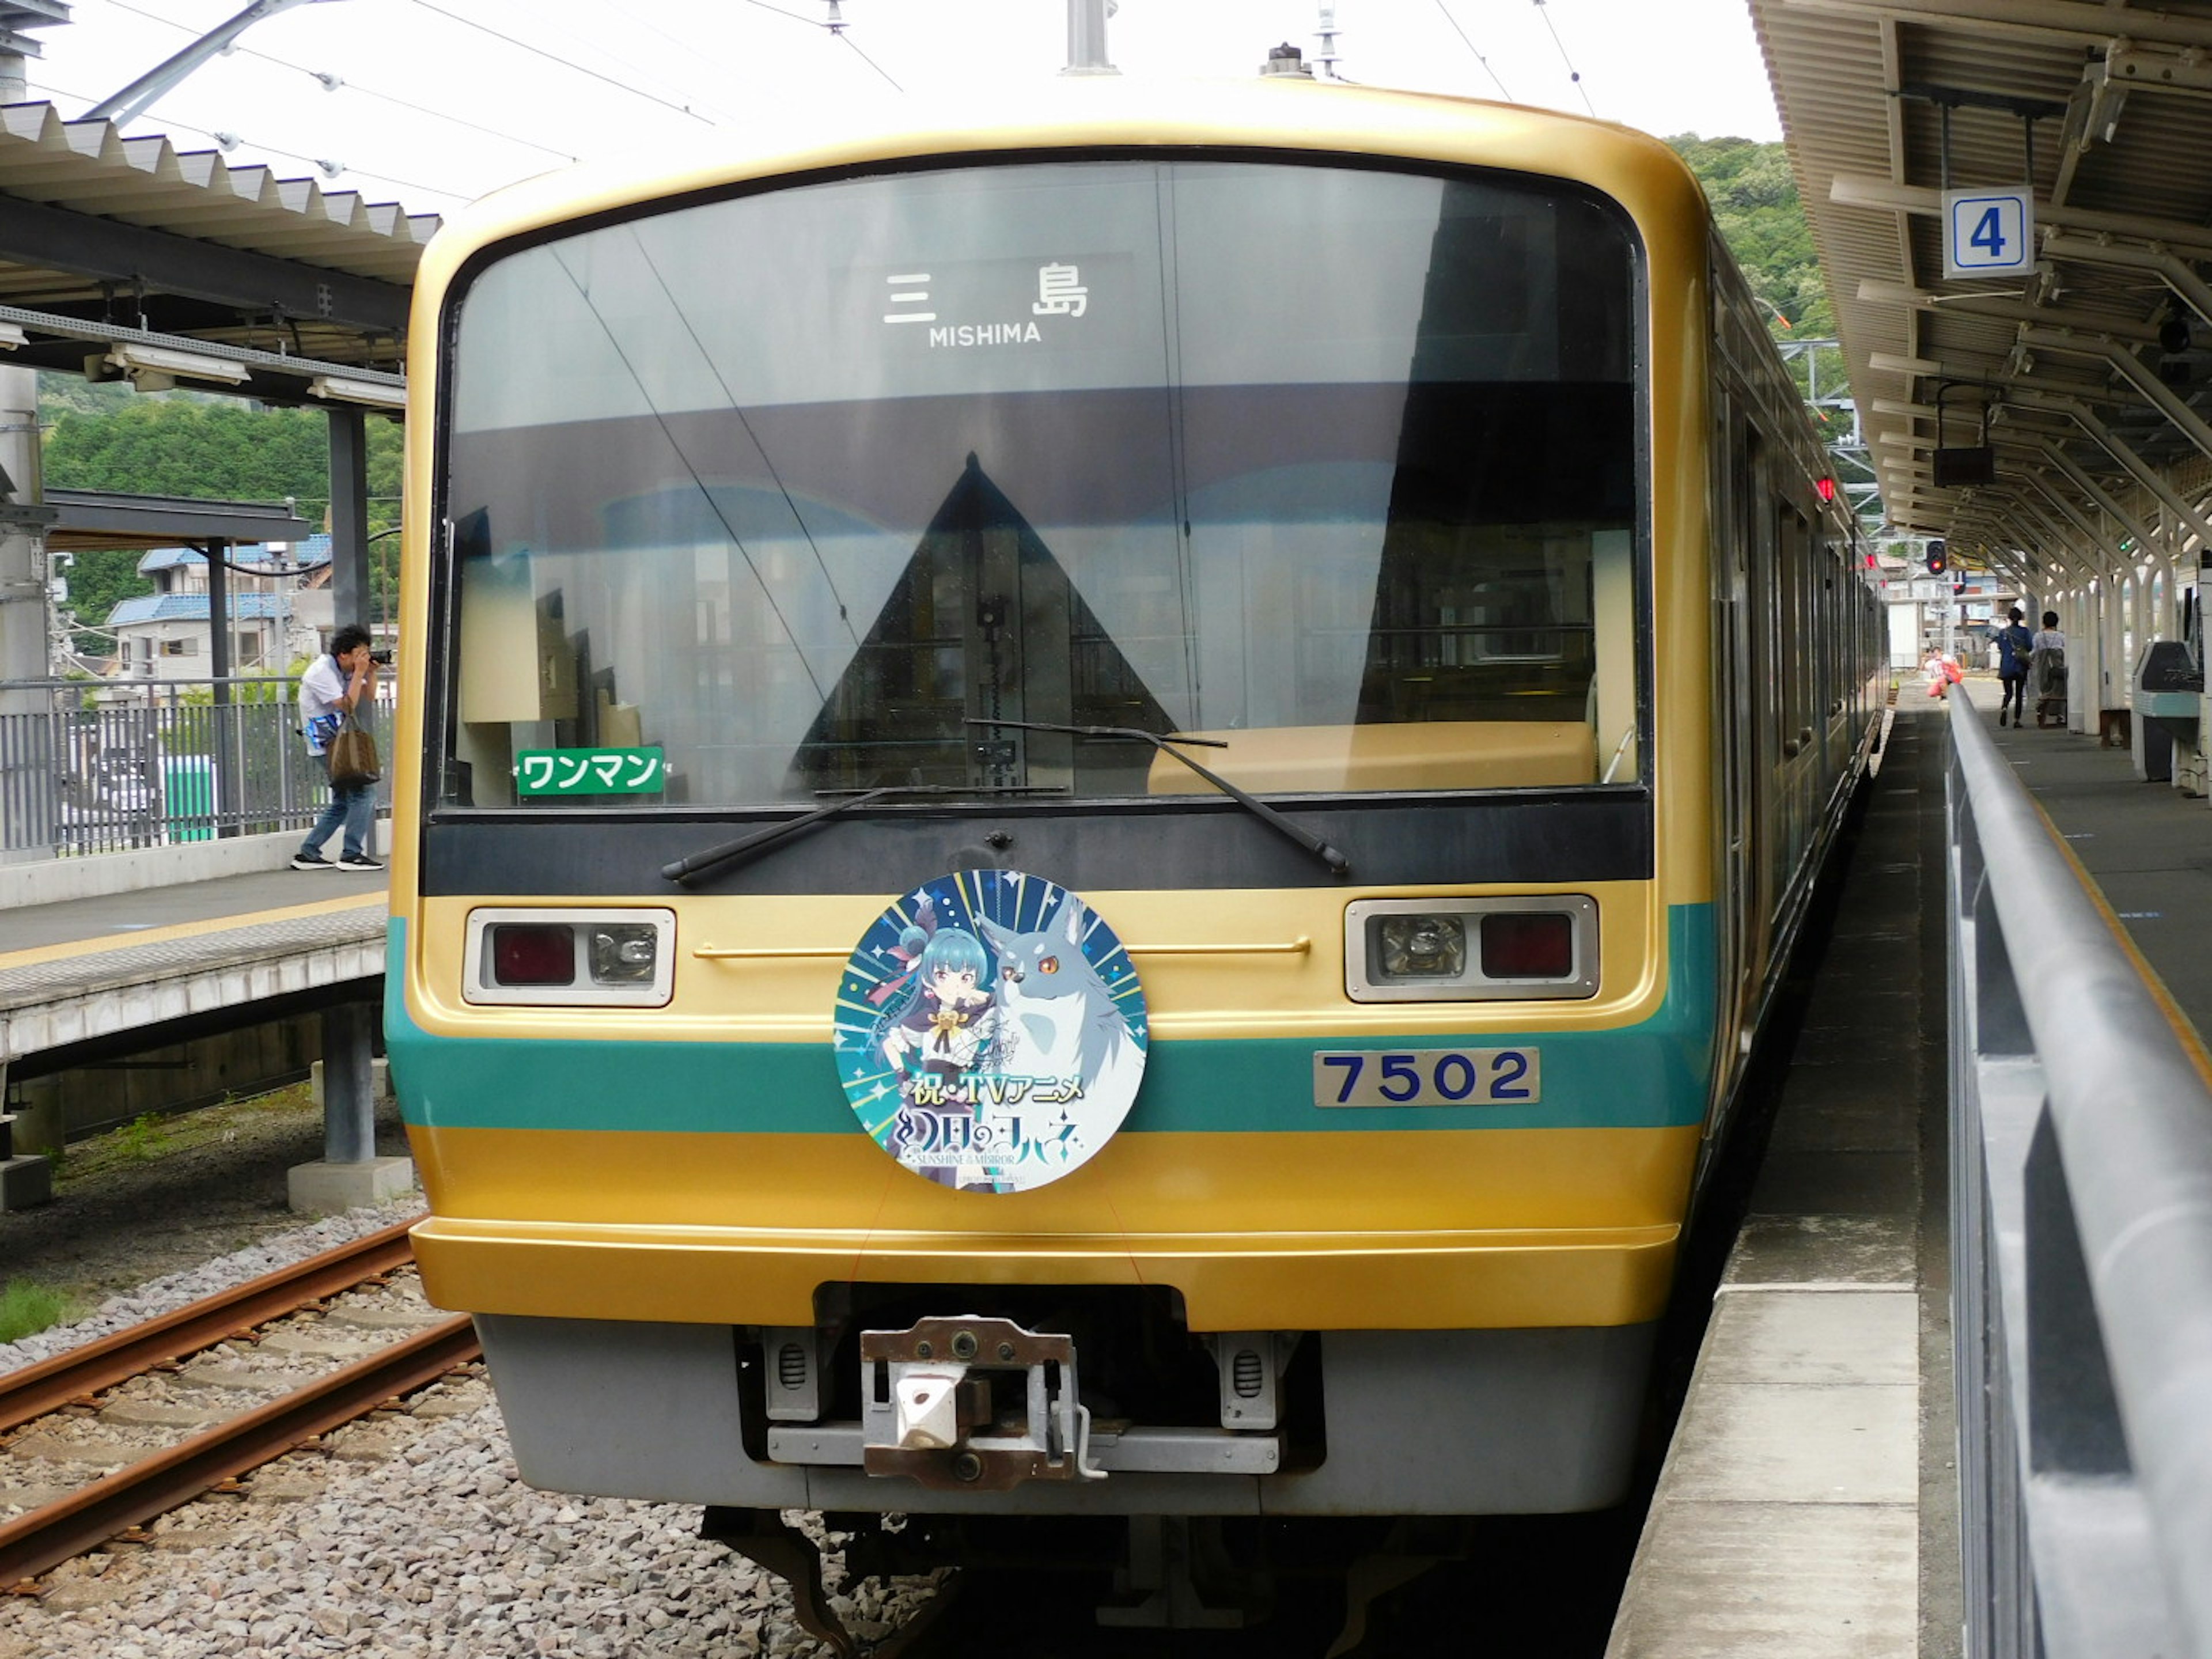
<point>2046,672</point>
<point>340,682</point>
<point>2014,646</point>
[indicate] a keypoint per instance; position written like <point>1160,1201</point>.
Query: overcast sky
<point>439,100</point>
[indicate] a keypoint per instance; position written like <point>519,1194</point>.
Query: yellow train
<point>1100,802</point>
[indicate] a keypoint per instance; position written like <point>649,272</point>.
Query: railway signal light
<point>1937,561</point>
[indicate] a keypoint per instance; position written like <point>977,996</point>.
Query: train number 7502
<point>1427,1077</point>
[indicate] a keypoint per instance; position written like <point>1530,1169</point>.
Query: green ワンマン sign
<point>590,772</point>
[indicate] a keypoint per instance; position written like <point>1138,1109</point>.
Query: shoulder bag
<point>352,760</point>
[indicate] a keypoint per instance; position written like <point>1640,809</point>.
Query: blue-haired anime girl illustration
<point>941,1025</point>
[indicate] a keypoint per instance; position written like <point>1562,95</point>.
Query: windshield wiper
<point>760,840</point>
<point>1306,838</point>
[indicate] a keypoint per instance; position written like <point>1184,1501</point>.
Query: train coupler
<point>974,1404</point>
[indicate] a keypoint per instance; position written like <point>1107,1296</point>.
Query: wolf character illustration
<point>1059,1018</point>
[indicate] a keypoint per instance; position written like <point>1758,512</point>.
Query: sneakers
<point>2000,714</point>
<point>311,862</point>
<point>358,861</point>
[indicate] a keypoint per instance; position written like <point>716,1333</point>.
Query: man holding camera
<point>339,684</point>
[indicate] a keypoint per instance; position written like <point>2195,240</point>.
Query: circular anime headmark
<point>991,1031</point>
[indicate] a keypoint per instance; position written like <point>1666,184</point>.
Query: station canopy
<point>128,257</point>
<point>2044,403</point>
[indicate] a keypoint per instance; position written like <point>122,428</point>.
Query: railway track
<point>69,1386</point>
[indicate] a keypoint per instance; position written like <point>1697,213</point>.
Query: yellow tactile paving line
<point>2185,1030</point>
<point>124,938</point>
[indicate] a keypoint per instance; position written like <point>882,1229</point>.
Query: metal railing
<point>105,766</point>
<point>2081,1252</point>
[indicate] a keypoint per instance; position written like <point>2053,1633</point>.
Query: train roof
<point>1289,114</point>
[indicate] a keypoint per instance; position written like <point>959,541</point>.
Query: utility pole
<point>1087,38</point>
<point>25,763</point>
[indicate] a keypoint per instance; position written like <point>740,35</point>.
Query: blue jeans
<point>354,808</point>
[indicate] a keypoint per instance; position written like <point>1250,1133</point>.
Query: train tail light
<point>1471,950</point>
<point>570,958</point>
<point>1528,944</point>
<point>533,953</point>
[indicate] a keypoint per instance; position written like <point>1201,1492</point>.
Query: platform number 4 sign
<point>1989,232</point>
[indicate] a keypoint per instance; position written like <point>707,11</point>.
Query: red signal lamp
<point>1825,487</point>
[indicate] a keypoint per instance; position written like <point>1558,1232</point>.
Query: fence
<point>2082,1240</point>
<point>104,766</point>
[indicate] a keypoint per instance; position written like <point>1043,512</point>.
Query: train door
<point>1749,736</point>
<point>1770,813</point>
<point>1794,573</point>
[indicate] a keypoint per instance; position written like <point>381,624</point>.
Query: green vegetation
<point>1756,207</point>
<point>154,1135</point>
<point>1755,204</point>
<point>27,1308</point>
<point>141,1138</point>
<point>194,444</point>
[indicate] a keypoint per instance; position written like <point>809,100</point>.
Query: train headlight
<point>624,953</point>
<point>570,958</point>
<point>1471,950</point>
<point>1420,947</point>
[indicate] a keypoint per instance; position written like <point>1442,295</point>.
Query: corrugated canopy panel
<point>132,232</point>
<point>2085,382</point>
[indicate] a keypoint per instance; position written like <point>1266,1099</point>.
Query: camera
<point>384,657</point>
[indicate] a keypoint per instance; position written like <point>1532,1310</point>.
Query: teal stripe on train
<point>1648,1075</point>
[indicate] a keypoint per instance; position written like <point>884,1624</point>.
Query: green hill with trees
<point>195,443</point>
<point>1755,199</point>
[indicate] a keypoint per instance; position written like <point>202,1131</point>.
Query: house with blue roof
<point>279,610</point>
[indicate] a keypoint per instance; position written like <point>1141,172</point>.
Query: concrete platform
<point>92,968</point>
<point>1807,1506</point>
<point>2146,847</point>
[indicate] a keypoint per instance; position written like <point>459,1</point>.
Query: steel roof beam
<point>2073,21</point>
<point>2144,473</point>
<point>2154,391</point>
<point>2089,487</point>
<point>2092,534</point>
<point>252,361</point>
<point>2004,308</point>
<point>2052,545</point>
<point>1882,196</point>
<point>2180,275</point>
<point>254,284</point>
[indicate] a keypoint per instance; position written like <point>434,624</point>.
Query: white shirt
<point>322,702</point>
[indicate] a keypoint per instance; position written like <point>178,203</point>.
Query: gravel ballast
<point>406,1534</point>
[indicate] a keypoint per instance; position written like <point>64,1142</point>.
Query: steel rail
<point>35,1390</point>
<point>42,1539</point>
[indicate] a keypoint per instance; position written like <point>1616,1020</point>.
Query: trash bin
<point>188,797</point>
<point>2167,686</point>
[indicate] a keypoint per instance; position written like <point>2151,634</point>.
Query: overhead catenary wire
<point>811,23</point>
<point>337,83</point>
<point>653,72</point>
<point>871,62</point>
<point>1476,50</point>
<point>1573,74</point>
<point>566,63</point>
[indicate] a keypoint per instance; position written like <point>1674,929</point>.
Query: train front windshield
<point>825,488</point>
